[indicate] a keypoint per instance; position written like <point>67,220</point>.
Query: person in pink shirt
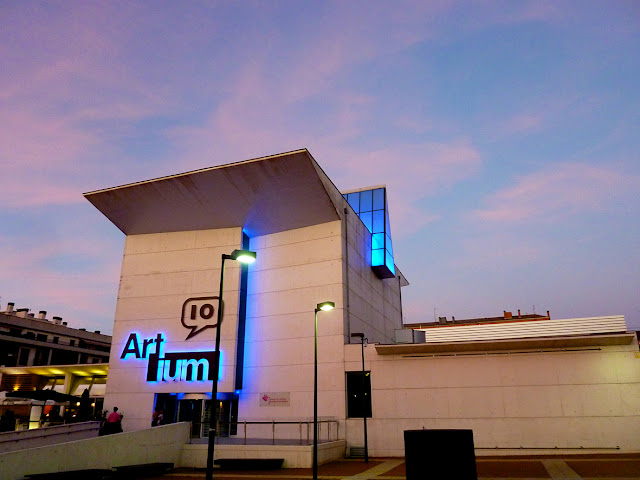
<point>113,423</point>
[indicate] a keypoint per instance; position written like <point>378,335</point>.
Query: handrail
<point>224,430</point>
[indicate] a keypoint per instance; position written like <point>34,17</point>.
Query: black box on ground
<point>438,454</point>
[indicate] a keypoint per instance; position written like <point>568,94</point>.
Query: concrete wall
<point>159,272</point>
<point>374,306</point>
<point>160,444</point>
<point>294,272</point>
<point>295,456</point>
<point>536,400</point>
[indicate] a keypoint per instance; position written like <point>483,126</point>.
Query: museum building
<point>313,244</point>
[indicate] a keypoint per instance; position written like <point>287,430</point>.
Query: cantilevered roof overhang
<point>264,195</point>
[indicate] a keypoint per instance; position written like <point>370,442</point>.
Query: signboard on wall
<point>275,399</point>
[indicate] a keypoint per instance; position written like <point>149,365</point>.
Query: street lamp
<point>242,256</point>
<point>324,306</point>
<point>364,389</point>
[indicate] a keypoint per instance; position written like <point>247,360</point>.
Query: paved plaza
<point>574,467</point>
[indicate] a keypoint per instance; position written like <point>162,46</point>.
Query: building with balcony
<point>40,355</point>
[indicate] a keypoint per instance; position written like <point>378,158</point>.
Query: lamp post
<point>324,306</point>
<point>364,388</point>
<point>242,256</point>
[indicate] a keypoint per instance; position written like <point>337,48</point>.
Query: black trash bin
<point>438,454</point>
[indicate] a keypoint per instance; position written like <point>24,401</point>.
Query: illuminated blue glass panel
<point>377,241</point>
<point>389,263</point>
<point>354,201</point>
<point>378,199</point>
<point>367,219</point>
<point>378,221</point>
<point>377,257</point>
<point>366,201</point>
<point>371,207</point>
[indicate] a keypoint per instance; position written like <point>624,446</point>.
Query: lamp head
<point>357,335</point>
<point>243,256</point>
<point>326,306</point>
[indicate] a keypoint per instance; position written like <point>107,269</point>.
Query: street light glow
<point>326,306</point>
<point>244,256</point>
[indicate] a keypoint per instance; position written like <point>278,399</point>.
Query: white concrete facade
<point>296,269</point>
<point>531,401</point>
<point>159,272</point>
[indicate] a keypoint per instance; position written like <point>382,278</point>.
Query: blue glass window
<point>378,221</point>
<point>371,207</point>
<point>377,241</point>
<point>378,199</point>
<point>354,201</point>
<point>366,201</point>
<point>377,257</point>
<point>389,263</point>
<point>367,219</point>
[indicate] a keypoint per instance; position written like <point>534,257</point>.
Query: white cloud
<point>556,192</point>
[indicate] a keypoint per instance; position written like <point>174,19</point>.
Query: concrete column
<point>34,416</point>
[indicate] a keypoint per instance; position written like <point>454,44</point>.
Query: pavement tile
<point>612,468</point>
<point>522,467</point>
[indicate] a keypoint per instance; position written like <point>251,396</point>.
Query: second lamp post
<point>325,306</point>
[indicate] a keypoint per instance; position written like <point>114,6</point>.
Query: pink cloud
<point>555,192</point>
<point>522,123</point>
<point>83,298</point>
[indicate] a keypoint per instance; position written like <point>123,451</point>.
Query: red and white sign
<point>275,399</point>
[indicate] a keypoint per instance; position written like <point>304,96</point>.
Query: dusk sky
<point>507,133</point>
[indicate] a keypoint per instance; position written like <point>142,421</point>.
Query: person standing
<point>114,422</point>
<point>157,417</point>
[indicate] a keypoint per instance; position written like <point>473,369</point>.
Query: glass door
<point>191,411</point>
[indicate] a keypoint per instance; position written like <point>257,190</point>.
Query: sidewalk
<point>575,467</point>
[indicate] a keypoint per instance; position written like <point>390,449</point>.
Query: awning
<point>44,395</point>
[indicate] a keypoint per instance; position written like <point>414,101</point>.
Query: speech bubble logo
<point>198,314</point>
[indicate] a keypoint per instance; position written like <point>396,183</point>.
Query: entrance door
<point>223,416</point>
<point>191,411</point>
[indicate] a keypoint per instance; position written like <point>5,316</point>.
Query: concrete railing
<point>40,437</point>
<point>159,444</point>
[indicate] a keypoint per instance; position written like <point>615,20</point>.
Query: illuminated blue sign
<point>172,366</point>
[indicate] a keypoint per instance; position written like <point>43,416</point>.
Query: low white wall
<point>295,456</point>
<point>515,402</point>
<point>160,444</point>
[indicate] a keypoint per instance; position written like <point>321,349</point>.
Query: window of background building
<point>358,394</point>
<point>23,357</point>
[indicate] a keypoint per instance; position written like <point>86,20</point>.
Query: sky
<point>507,134</point>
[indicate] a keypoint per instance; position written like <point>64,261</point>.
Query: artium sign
<point>170,366</point>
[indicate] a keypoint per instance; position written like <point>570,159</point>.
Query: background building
<point>38,355</point>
